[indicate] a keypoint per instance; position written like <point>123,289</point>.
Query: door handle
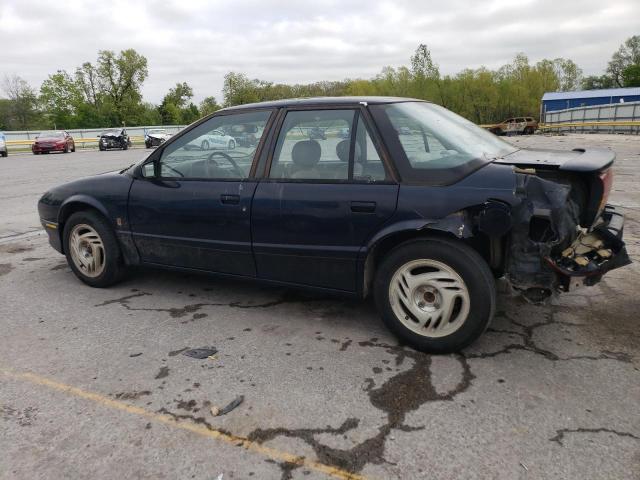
<point>363,207</point>
<point>230,199</point>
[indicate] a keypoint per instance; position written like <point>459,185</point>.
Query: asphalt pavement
<point>95,383</point>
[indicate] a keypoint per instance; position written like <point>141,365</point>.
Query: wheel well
<point>480,243</point>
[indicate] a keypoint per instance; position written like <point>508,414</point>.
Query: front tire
<point>92,249</point>
<point>231,145</point>
<point>436,295</point>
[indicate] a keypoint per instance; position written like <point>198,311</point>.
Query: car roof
<point>313,101</point>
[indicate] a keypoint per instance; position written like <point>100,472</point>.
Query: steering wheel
<point>212,163</point>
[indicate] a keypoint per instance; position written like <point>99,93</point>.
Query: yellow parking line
<point>271,453</point>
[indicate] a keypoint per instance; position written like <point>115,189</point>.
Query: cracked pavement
<point>94,383</point>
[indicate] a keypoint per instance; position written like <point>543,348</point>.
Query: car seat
<point>342,151</point>
<point>305,155</point>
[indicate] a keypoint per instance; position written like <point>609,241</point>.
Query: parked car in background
<point>344,133</point>
<point>423,222</point>
<point>156,137</point>
<point>317,133</point>
<point>53,141</point>
<point>114,138</point>
<point>3,145</point>
<point>514,126</point>
<point>215,140</point>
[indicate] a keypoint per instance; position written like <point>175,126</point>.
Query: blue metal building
<point>552,101</point>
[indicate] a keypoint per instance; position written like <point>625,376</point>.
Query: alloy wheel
<point>429,297</point>
<point>87,250</point>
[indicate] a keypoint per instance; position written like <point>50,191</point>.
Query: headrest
<point>306,153</point>
<point>342,150</point>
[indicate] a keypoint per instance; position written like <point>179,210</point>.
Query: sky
<point>198,41</point>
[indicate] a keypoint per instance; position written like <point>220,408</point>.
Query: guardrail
<point>619,123</point>
<point>134,138</point>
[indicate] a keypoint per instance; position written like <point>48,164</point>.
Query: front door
<point>326,193</point>
<point>192,208</point>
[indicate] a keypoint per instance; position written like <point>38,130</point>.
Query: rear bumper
<point>594,254</point>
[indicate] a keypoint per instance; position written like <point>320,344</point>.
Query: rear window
<point>433,145</point>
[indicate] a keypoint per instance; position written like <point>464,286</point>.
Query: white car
<point>3,145</point>
<point>155,137</point>
<point>215,140</point>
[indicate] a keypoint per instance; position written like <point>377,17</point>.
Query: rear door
<point>322,198</point>
<point>192,207</point>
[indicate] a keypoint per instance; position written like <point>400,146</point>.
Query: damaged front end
<point>548,250</point>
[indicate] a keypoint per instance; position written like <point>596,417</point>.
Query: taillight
<point>606,177</point>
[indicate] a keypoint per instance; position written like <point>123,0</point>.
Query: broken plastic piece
<point>216,412</point>
<point>201,353</point>
<point>582,261</point>
<point>568,252</point>
<point>604,253</point>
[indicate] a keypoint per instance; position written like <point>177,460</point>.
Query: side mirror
<point>148,170</point>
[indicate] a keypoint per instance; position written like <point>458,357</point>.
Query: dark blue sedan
<point>417,207</point>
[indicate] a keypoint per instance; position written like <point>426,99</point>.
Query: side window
<point>421,145</point>
<point>367,165</point>
<point>313,145</point>
<point>223,147</point>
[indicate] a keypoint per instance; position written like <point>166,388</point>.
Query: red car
<point>55,141</point>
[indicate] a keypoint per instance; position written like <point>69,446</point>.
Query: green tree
<point>631,76</point>
<point>174,108</point>
<point>60,97</point>
<point>208,106</point>
<point>627,55</point>
<point>120,79</point>
<point>23,107</point>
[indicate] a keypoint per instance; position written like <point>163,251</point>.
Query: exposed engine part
<point>544,224</point>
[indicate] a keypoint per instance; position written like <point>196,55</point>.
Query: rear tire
<point>92,249</point>
<point>436,295</point>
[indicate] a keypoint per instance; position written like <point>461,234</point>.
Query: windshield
<point>50,135</point>
<point>436,145</point>
<point>111,132</point>
<point>156,132</point>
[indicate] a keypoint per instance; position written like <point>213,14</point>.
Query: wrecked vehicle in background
<point>514,126</point>
<point>114,138</point>
<point>155,137</point>
<point>417,207</point>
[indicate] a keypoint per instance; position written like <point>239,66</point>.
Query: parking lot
<point>94,382</point>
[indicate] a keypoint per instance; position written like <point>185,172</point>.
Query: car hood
<point>158,135</point>
<point>576,160</point>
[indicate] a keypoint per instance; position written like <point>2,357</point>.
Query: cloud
<point>199,41</point>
